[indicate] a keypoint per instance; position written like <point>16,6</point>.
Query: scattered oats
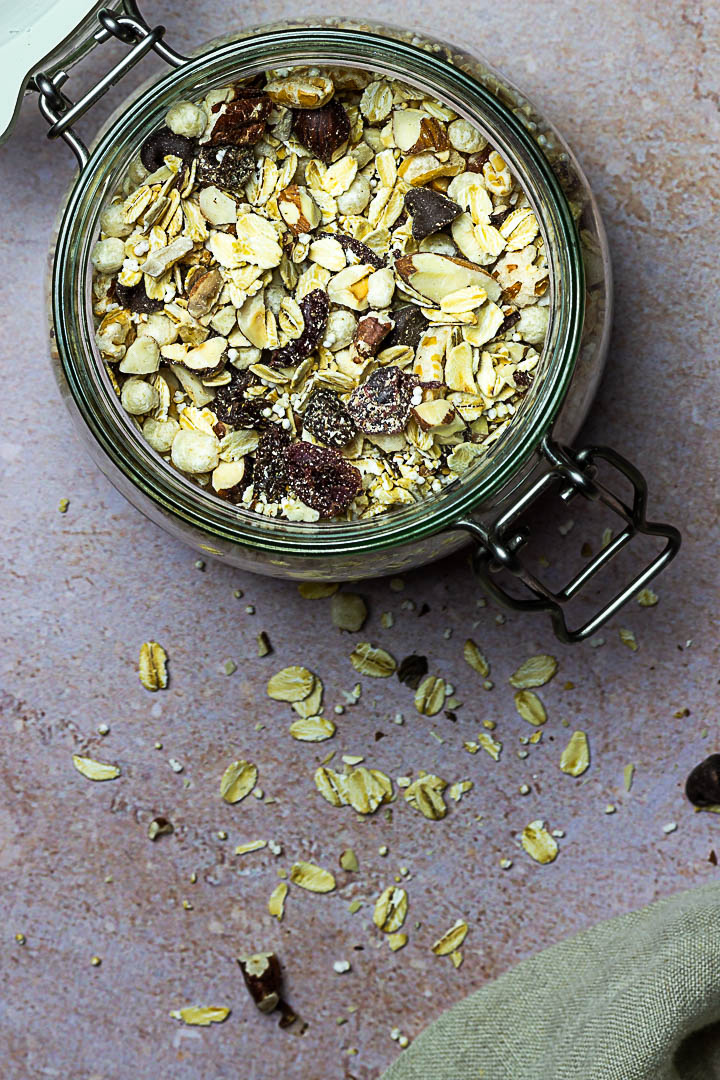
<point>397,584</point>
<point>493,746</point>
<point>524,789</point>
<point>310,706</point>
<point>538,842</point>
<point>397,941</point>
<point>387,620</point>
<point>339,710</point>
<point>312,878</point>
<point>229,667</point>
<point>238,594</point>
<point>535,738</point>
<point>200,1017</point>
<point>530,707</point>
<point>291,684</point>
<point>312,729</point>
<point>671,827</point>
<point>430,696</point>
<point>476,660</point>
<point>20,939</point>
<point>426,795</point>
<point>238,780</point>
<point>276,903</point>
<point>457,958</point>
<point>317,590</point>
<point>370,660</point>
<point>152,668</point>
<point>459,789</point>
<point>505,864</point>
<point>354,906</point>
<point>348,611</point>
<point>536,671</point>
<point>522,754</point>
<point>274,847</point>
<point>63,506</point>
<point>490,725</point>
<point>264,648</point>
<point>647,598</point>
<point>95,770</point>
<point>610,808</point>
<point>349,860</point>
<point>352,759</point>
<point>628,638</point>
<point>390,909</point>
<point>341,966</point>
<point>103,729</point>
<point>575,759</point>
<point>222,835</point>
<point>251,845</point>
<point>160,826</point>
<point>488,684</point>
<point>451,940</point>
<point>403,1042</point>
<point>606,538</point>
<point>558,833</point>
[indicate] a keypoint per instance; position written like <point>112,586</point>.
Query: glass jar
<point>530,457</point>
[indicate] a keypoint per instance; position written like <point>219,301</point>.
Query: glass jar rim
<point>382,50</point>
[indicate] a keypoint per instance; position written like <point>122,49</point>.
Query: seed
<point>291,684</point>
<point>370,660</point>
<point>538,842</point>
<point>451,940</point>
<point>390,909</point>
<point>152,668</point>
<point>530,707</point>
<point>95,770</point>
<point>311,877</point>
<point>534,672</point>
<point>238,780</point>
<point>430,696</point>
<point>575,758</point>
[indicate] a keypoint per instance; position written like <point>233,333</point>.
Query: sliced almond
<point>434,276</point>
<point>299,210</point>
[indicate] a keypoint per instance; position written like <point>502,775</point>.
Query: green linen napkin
<point>635,998</point>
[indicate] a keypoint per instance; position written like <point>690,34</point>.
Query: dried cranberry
<point>508,322</point>
<point>270,470</point>
<point>315,308</point>
<point>322,478</point>
<point>232,407</point>
<point>328,420</point>
<point>163,142</point>
<point>703,784</point>
<point>322,131</point>
<point>381,406</point>
<point>135,298</point>
<point>227,166</point>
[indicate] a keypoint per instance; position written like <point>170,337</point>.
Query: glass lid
<point>41,35</point>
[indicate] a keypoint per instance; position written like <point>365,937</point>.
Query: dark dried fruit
<point>508,322</point>
<point>430,211</point>
<point>381,406</point>
<point>322,478</point>
<point>263,979</point>
<point>232,407</point>
<point>476,161</point>
<point>328,420</point>
<point>135,298</point>
<point>163,142</point>
<point>270,471</point>
<point>523,379</point>
<point>497,218</point>
<point>703,784</point>
<point>412,669</point>
<point>370,333</point>
<point>410,325</point>
<point>322,131</point>
<point>242,121</point>
<point>228,167</point>
<point>315,308</point>
<point>362,253</point>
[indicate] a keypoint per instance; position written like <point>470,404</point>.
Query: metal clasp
<point>576,470</point>
<point>61,113</point>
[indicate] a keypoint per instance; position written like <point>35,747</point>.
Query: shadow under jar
<point>531,457</point>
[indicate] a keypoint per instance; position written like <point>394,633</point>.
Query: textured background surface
<point>630,85</point>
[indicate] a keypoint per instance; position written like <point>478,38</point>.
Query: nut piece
<point>575,758</point>
<point>434,276</point>
<point>312,878</point>
<point>323,130</point>
<point>370,660</point>
<point>263,978</point>
<point>539,844</point>
<point>390,909</point>
<point>238,780</point>
<point>370,333</point>
<point>414,131</point>
<point>299,210</point>
<point>153,666</point>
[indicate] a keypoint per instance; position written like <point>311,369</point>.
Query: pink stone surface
<point>630,86</point>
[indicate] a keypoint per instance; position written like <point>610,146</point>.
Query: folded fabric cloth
<point>635,998</point>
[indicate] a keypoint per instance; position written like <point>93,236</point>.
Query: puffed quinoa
<point>321,296</point>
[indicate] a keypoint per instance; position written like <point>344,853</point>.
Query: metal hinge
<point>130,28</point>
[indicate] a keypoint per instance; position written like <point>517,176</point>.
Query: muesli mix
<point>320,294</point>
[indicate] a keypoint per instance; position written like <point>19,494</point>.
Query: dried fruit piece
<point>161,144</point>
<point>476,660</point>
<point>430,696</point>
<point>315,308</point>
<point>322,478</point>
<point>312,729</point>
<point>270,462</point>
<point>322,131</point>
<point>291,684</point>
<point>410,326</point>
<point>312,878</point>
<point>328,420</point>
<point>451,940</point>
<point>370,333</point>
<point>229,167</point>
<point>536,671</point>
<point>361,252</point>
<point>135,298</point>
<point>242,121</point>
<point>263,979</point>
<point>238,780</point>
<point>412,669</point>
<point>232,407</point>
<point>381,406</point>
<point>703,784</point>
<point>538,843</point>
<point>426,795</point>
<point>95,770</point>
<point>370,660</point>
<point>276,903</point>
<point>530,707</point>
<point>348,611</point>
<point>575,759</point>
<point>430,211</point>
<point>199,1016</point>
<point>152,667</point>
<point>390,909</point>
